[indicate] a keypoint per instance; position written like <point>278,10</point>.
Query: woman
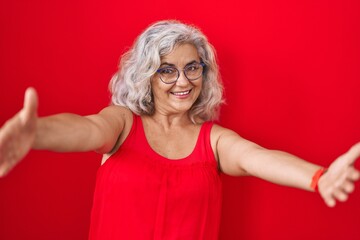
<point>162,152</point>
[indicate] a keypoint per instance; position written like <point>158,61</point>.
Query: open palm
<point>338,182</point>
<point>18,133</point>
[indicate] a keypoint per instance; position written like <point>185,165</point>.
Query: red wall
<point>292,77</point>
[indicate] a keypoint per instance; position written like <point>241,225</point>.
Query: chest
<point>173,144</point>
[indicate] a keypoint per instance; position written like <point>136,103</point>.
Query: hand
<point>17,135</point>
<point>338,182</point>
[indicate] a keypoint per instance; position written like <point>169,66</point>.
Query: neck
<point>168,121</point>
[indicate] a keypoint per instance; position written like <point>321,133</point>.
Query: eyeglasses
<point>193,71</point>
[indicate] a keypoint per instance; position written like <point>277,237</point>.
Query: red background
<point>291,72</point>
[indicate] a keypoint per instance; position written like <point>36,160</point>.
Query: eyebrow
<point>173,65</point>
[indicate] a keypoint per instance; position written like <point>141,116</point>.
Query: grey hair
<point>131,87</point>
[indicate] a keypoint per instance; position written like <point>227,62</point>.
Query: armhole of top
<point>210,128</point>
<point>117,144</point>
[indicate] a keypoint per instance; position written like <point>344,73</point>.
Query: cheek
<point>199,84</point>
<point>200,87</point>
<point>158,88</point>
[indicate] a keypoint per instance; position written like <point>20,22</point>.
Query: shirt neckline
<point>159,156</point>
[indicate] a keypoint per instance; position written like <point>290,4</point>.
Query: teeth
<point>181,93</point>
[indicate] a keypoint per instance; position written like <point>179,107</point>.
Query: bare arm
<point>62,132</point>
<point>68,132</point>
<point>239,156</point>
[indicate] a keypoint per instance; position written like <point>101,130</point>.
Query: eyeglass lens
<point>171,74</point>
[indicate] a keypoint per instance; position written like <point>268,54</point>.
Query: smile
<point>181,93</point>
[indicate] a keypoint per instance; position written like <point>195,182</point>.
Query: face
<point>177,97</point>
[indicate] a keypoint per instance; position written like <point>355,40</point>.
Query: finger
<point>30,105</point>
<point>330,201</point>
<point>353,175</point>
<point>4,169</point>
<point>348,187</point>
<point>340,195</point>
<point>353,153</point>
<point>326,193</point>
<point>2,172</point>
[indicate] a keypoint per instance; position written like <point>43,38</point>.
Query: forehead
<point>181,55</point>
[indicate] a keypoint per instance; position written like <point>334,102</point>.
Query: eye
<point>166,71</point>
<point>193,68</point>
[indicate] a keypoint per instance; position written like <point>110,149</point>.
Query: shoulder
<point>118,115</point>
<point>221,134</point>
<point>229,147</point>
<point>227,138</point>
<point>123,118</point>
<point>218,132</point>
<point>218,135</point>
<point>118,111</point>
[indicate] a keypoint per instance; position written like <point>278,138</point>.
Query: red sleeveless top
<point>140,194</point>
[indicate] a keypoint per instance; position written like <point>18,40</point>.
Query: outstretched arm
<point>239,156</point>
<point>62,132</point>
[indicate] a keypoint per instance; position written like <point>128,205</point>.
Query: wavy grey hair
<point>131,88</point>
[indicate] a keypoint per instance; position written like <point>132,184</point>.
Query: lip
<point>181,94</point>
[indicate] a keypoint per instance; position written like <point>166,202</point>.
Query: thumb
<point>30,105</point>
<point>353,154</point>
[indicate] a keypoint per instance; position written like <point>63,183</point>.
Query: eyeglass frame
<point>183,70</point>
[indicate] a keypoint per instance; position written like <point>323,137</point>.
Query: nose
<point>182,80</point>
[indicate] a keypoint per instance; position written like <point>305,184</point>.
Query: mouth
<point>181,93</point>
